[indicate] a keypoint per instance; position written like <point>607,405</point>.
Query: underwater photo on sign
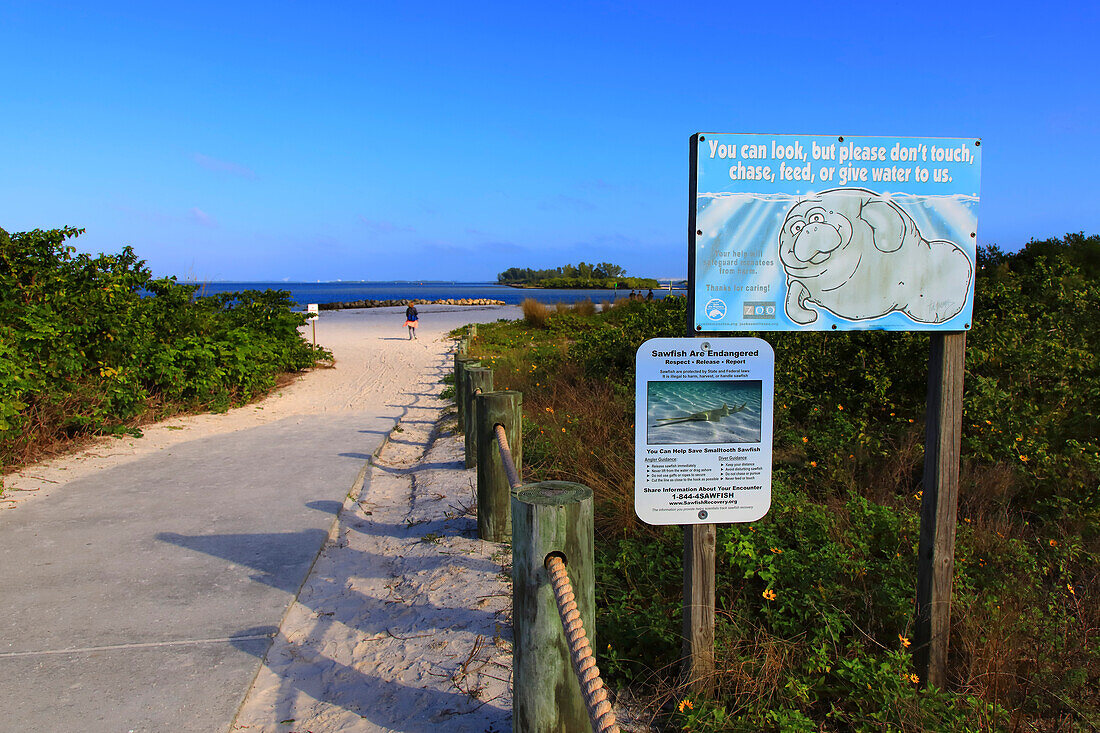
<point>703,412</point>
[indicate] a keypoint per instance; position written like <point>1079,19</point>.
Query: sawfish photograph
<point>703,412</point>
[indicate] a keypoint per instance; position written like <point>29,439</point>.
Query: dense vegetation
<point>815,601</point>
<point>581,276</point>
<point>93,345</point>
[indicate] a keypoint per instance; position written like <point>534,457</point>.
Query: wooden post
<point>549,517</point>
<point>462,363</point>
<point>697,652</point>
<point>471,331</point>
<point>477,378</point>
<point>494,492</point>
<point>698,645</point>
<point>939,504</point>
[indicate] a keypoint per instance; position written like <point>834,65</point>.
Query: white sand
<point>375,363</point>
<point>403,623</point>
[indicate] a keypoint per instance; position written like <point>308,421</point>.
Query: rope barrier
<point>580,651</point>
<point>506,457</point>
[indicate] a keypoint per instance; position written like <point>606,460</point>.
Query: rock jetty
<point>404,301</point>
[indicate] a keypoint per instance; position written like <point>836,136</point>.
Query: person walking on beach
<point>411,318</point>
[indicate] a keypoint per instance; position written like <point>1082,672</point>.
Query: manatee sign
<point>831,232</point>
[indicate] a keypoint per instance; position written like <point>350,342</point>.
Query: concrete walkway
<point>143,599</point>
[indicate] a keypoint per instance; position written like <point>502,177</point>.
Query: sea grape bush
<point>94,344</point>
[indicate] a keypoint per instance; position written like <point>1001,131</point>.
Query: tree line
<point>582,270</point>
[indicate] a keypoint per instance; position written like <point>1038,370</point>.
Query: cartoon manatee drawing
<point>859,255</point>
<point>706,415</point>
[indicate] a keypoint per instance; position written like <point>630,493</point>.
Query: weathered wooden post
<point>494,491</point>
<point>553,517</point>
<point>477,379</point>
<point>462,363</point>
<point>697,624</point>
<point>939,504</point>
<point>698,621</point>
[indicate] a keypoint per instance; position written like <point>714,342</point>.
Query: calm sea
<point>343,292</point>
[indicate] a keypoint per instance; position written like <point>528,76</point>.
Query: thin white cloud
<point>223,166</point>
<point>201,218</point>
<point>383,227</point>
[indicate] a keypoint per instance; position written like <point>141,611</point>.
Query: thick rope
<point>506,457</point>
<point>580,651</point>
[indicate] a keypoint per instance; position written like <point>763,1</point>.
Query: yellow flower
<point>769,594</point>
<point>1023,458</point>
<point>563,430</point>
<point>918,495</point>
<point>1054,543</point>
<point>813,463</point>
<point>685,703</point>
<point>805,439</point>
<point>777,551</point>
<point>1069,587</point>
<point>914,679</point>
<point>904,642</point>
<point>840,407</point>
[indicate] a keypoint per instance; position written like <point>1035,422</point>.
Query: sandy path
<point>375,363</point>
<point>402,623</point>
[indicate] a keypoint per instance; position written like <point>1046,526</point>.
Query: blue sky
<point>229,141</point>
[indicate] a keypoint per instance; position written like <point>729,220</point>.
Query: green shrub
<point>815,601</point>
<point>96,345</point>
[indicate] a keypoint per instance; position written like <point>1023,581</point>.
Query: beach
<point>375,363</point>
<point>402,622</point>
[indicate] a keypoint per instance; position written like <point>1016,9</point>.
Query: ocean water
<point>679,399</point>
<point>303,293</point>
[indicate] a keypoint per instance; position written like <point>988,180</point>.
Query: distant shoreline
<point>304,294</point>
<point>524,286</point>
